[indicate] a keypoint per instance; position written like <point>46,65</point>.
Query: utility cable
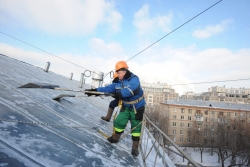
<point>47,52</point>
<point>170,32</point>
<point>174,30</point>
<point>212,82</point>
<point>41,49</point>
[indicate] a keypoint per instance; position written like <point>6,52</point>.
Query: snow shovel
<point>56,87</point>
<point>72,95</point>
<point>47,86</point>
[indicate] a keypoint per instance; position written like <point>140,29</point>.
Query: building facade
<point>223,94</point>
<point>185,116</point>
<point>156,93</point>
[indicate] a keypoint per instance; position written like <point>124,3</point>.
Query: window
<point>212,119</point>
<point>189,133</point>
<point>189,118</point>
<point>174,123</point>
<point>189,125</point>
<point>212,134</point>
<point>182,117</point>
<point>205,133</point>
<point>206,119</point>
<point>174,131</point>
<point>221,113</point>
<point>182,124</point>
<point>235,114</point>
<point>228,114</point>
<point>174,116</point>
<point>175,110</point>
<point>212,127</point>
<point>174,139</point>
<point>206,112</point>
<point>190,111</point>
<point>189,140</point>
<point>199,119</point>
<point>181,139</point>
<point>242,114</point>
<point>182,110</point>
<point>213,112</point>
<point>181,132</point>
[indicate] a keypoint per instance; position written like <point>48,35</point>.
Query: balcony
<point>199,118</point>
<point>198,115</point>
<point>222,116</point>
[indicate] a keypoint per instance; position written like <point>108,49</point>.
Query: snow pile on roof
<point>232,106</point>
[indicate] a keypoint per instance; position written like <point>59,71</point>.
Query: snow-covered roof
<point>208,104</point>
<point>38,131</point>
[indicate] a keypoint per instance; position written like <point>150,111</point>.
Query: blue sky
<point>95,34</point>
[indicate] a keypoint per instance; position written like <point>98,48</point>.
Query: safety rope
<point>45,124</point>
<point>129,131</point>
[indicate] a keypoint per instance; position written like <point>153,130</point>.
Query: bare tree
<point>199,138</point>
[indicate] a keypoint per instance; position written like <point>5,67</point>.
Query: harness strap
<point>134,101</point>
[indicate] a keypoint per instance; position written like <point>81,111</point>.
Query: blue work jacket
<point>129,89</point>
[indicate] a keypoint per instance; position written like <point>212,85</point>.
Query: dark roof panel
<point>38,131</point>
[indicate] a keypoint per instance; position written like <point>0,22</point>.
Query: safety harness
<point>133,102</point>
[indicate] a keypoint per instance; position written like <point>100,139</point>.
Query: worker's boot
<point>109,114</point>
<point>135,151</point>
<point>115,137</point>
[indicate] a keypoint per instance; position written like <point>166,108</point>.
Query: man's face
<point>121,74</point>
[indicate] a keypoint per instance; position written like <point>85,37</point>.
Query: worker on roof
<point>127,89</point>
<point>113,103</point>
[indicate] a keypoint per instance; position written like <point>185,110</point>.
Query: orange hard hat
<point>115,75</point>
<point>121,64</point>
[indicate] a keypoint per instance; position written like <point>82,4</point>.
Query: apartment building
<point>156,93</point>
<point>223,94</point>
<point>186,115</point>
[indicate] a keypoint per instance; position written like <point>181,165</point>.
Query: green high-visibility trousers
<point>122,120</point>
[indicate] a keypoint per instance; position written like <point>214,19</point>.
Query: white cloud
<point>114,20</point>
<point>107,50</point>
<point>89,61</point>
<point>212,29</point>
<point>176,65</point>
<point>56,16</point>
<point>187,65</point>
<point>145,23</point>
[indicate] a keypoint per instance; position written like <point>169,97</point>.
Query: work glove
<point>90,93</point>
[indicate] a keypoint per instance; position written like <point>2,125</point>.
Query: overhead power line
<point>46,52</point>
<point>212,82</point>
<point>169,33</point>
<point>174,30</point>
<point>41,49</point>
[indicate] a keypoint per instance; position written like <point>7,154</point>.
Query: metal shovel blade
<point>63,95</point>
<point>39,85</point>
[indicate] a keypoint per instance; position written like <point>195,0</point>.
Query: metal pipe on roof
<point>46,69</point>
<point>71,76</point>
<point>82,80</point>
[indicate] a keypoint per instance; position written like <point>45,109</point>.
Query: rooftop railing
<point>154,146</point>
